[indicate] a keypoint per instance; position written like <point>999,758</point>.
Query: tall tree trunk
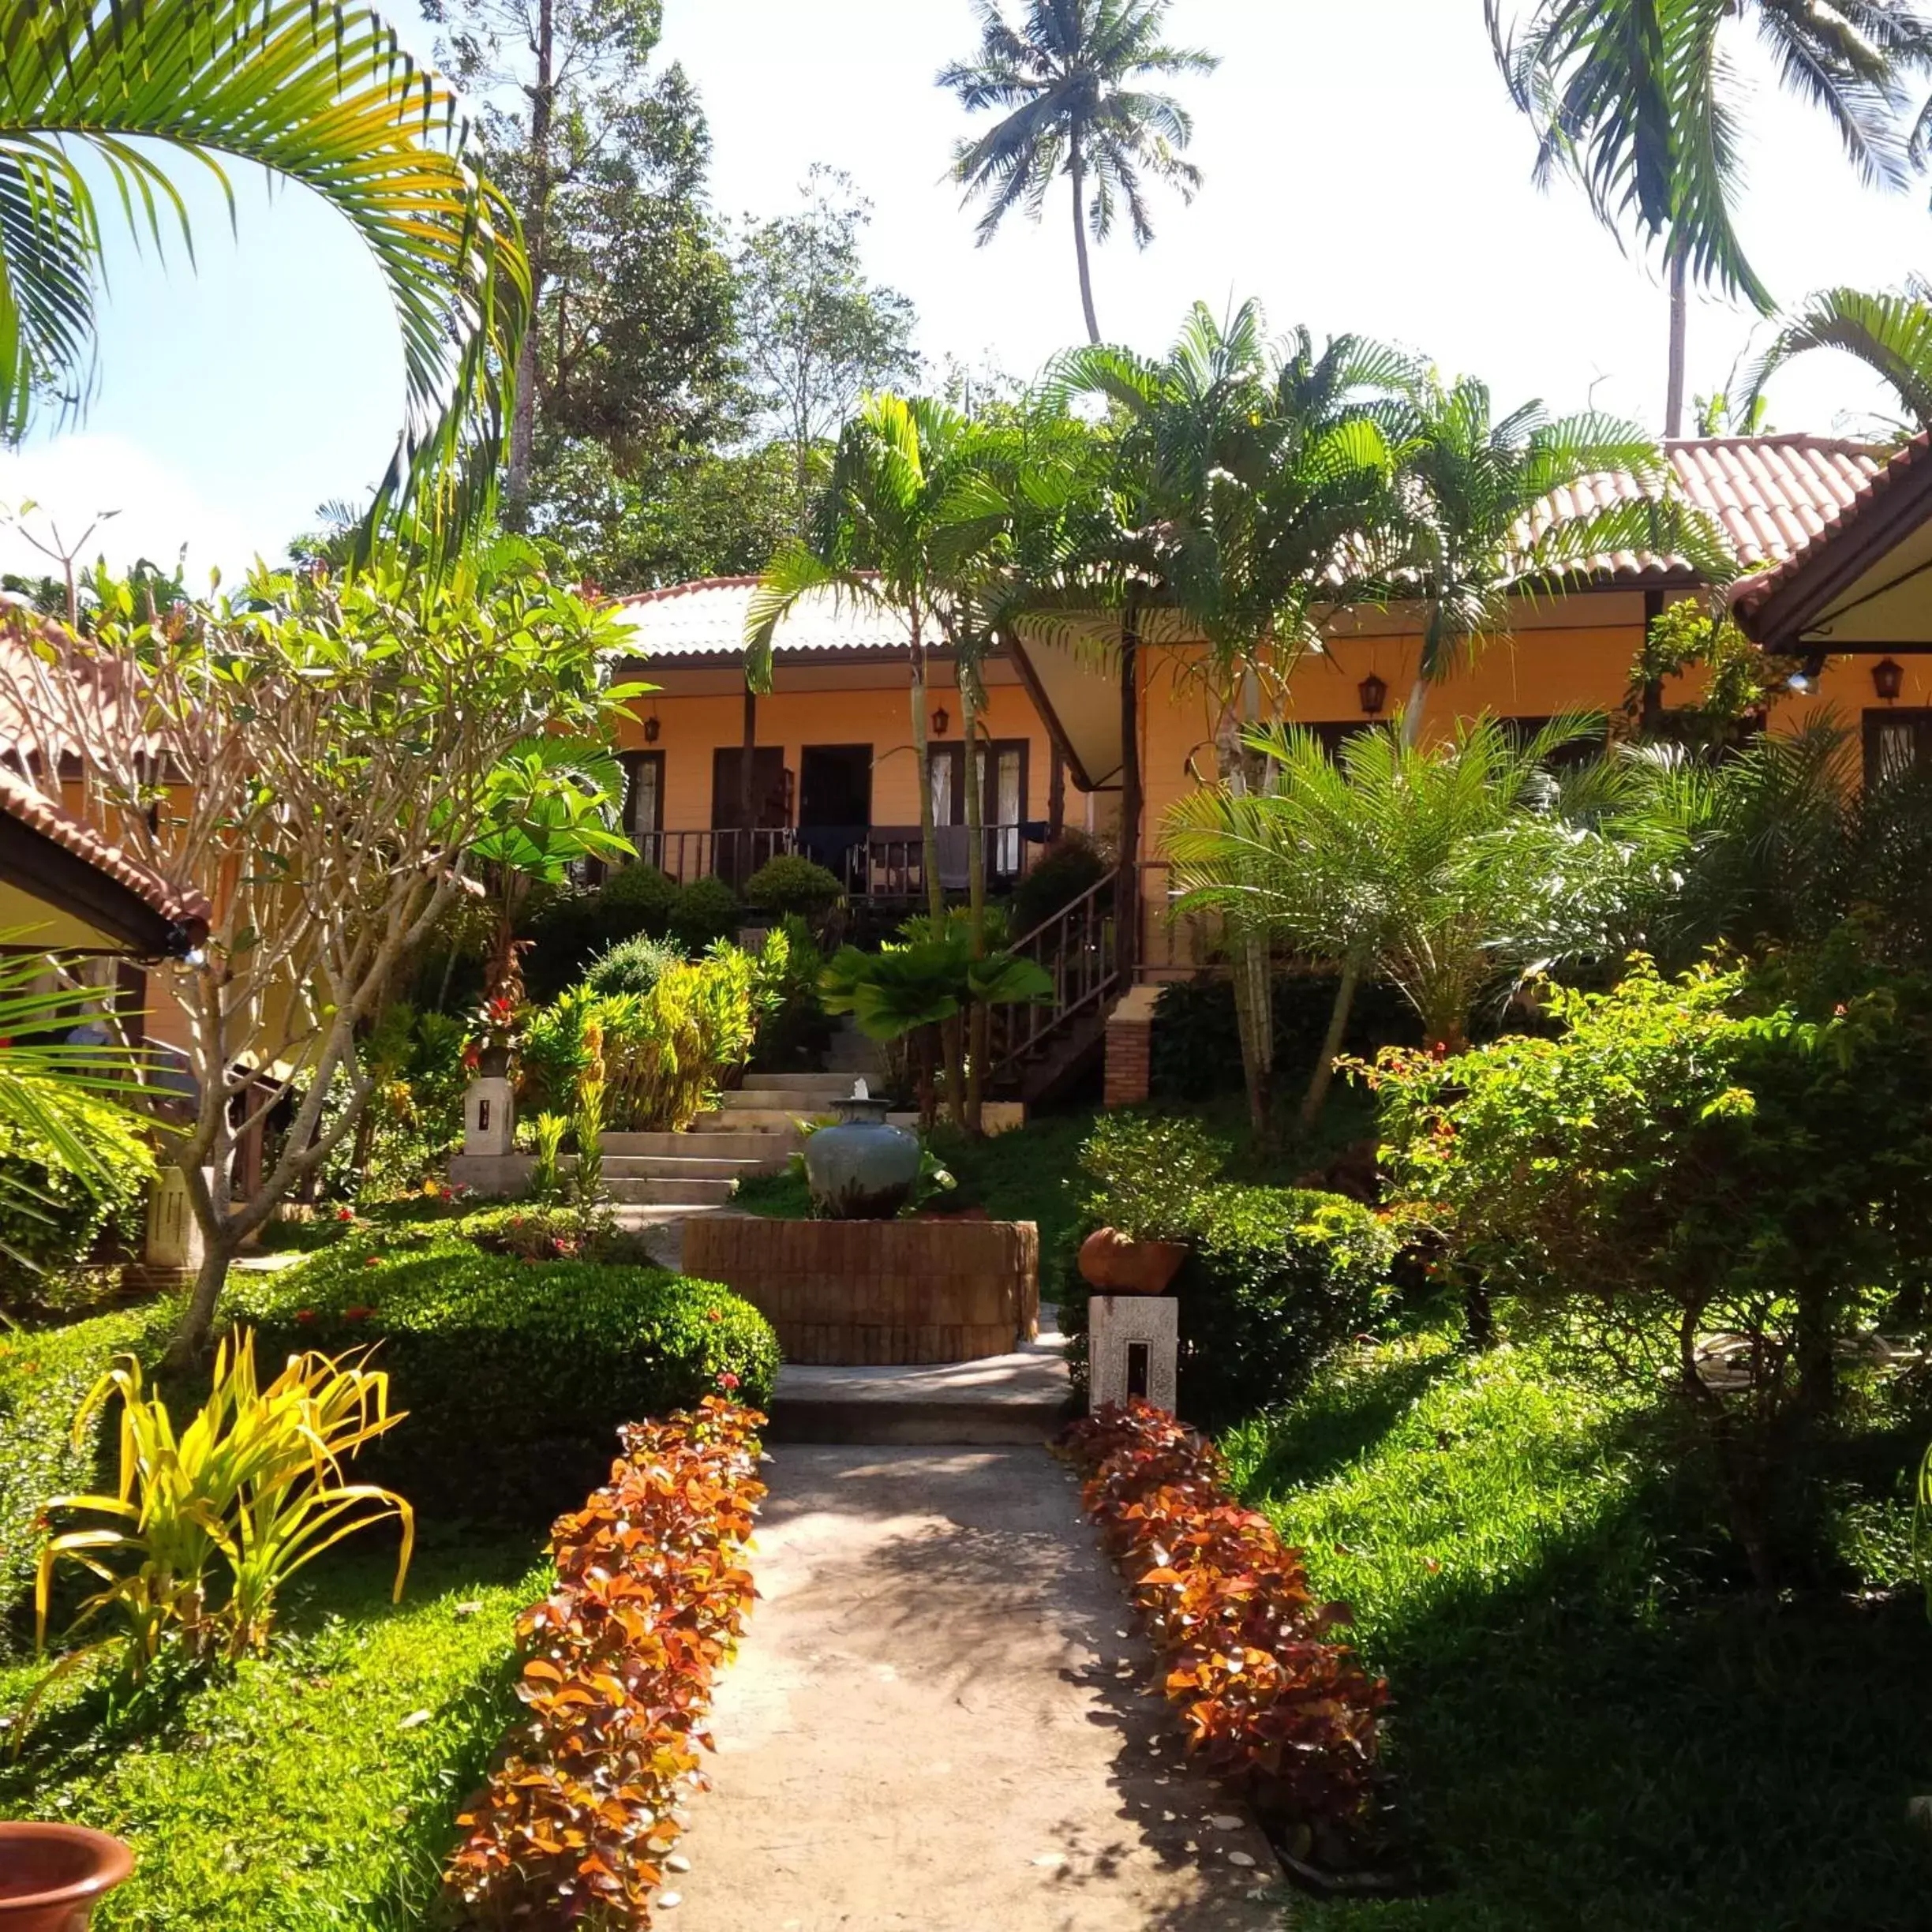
<point>747,787</point>
<point>1254,1007</point>
<point>922,749</point>
<point>536,234</point>
<point>975,893</point>
<point>1078,170</point>
<point>1679,332</point>
<point>1129,940</point>
<point>1323,1076</point>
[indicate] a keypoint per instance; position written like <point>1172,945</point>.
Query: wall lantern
<point>1888,680</point>
<point>653,726</point>
<point>942,718</point>
<point>1373,694</point>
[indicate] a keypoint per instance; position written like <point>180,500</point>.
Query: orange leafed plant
<point>652,1593</point>
<point>1269,1699</point>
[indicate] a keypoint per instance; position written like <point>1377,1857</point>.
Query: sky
<point>1364,171</point>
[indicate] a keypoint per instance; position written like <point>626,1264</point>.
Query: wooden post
<point>1129,934</point>
<point>1056,796</point>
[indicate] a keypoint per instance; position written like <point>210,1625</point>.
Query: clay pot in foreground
<point>1116,1264</point>
<point>51,1876</point>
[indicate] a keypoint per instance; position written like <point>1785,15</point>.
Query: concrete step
<point>740,1119</point>
<point>680,1192</point>
<point>791,1100</point>
<point>678,1167</point>
<point>1025,1397</point>
<point>839,1085</point>
<point>723,1141</point>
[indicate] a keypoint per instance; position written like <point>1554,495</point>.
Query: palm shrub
<point>1447,870</point>
<point>54,1213</point>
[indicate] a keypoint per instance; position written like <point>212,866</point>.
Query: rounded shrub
<point>1071,865</point>
<point>632,965</point>
<point>636,898</point>
<point>1278,1278</point>
<point>515,1373</point>
<point>790,882</point>
<point>706,911</point>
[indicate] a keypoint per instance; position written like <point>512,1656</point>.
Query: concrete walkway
<point>940,1723</point>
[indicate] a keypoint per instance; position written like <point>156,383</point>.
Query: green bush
<point>706,911</point>
<point>790,882</point>
<point>515,1374</point>
<point>67,1213</point>
<point>1279,1279</point>
<point>637,898</point>
<point>44,1375</point>
<point>1143,1173</point>
<point>1195,1050</point>
<point>1070,866</point>
<point>632,965</point>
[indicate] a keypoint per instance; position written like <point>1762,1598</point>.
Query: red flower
<point>727,1379</point>
<point>358,1313</point>
<point>472,1057</point>
<point>305,1315</point>
<point>712,1315</point>
<point>345,1214</point>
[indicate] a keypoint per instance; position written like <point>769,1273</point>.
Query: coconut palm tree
<point>1639,101</point>
<point>1448,870</point>
<point>1490,513</point>
<point>1070,86</point>
<point>131,98</point>
<point>1889,331</point>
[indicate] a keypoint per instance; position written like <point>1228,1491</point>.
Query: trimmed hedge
<point>45,1374</point>
<point>516,1374</point>
<point>790,882</point>
<point>1279,1277</point>
<point>706,911</point>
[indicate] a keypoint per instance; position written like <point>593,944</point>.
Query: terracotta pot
<point>1115,1263</point>
<point>52,1875</point>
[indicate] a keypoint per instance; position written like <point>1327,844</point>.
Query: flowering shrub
<point>1269,1699</point>
<point>652,1593</point>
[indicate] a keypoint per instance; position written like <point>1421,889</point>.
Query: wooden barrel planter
<point>879,1293</point>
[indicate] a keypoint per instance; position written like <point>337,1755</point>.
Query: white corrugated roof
<point>707,618</point>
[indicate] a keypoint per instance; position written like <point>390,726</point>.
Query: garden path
<point>940,1720</point>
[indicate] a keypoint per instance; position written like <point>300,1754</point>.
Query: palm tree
<point>1639,101</point>
<point>321,96</point>
<point>1489,516</point>
<point>1890,332</point>
<point>1254,495</point>
<point>1069,86</point>
<point>1448,870</point>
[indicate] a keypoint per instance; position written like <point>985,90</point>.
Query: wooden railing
<point>1080,948</point>
<point>882,863</point>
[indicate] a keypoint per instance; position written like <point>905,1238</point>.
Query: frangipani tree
<point>321,760</point>
<point>1448,870</point>
<point>137,95</point>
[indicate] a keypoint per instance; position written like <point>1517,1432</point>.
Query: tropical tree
<point>1070,86</point>
<point>1448,870</point>
<point>324,97</point>
<point>1490,514</point>
<point>1890,331</point>
<point>1639,101</point>
<point>1253,494</point>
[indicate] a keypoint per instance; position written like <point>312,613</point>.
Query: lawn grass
<point>1593,1727</point>
<point>314,1789</point>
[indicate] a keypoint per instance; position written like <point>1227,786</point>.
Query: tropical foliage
<point>208,1523</point>
<point>324,98</point>
<point>1889,330</point>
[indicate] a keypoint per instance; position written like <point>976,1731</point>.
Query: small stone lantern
<point>489,1119</point>
<point>1133,1348</point>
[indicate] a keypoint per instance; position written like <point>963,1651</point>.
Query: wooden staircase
<point>1037,1051</point>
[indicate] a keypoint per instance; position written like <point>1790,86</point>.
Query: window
<point>948,796</point>
<point>1002,776</point>
<point>1896,741</point>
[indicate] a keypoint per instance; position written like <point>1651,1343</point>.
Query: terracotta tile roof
<point>1771,496</point>
<point>182,906</point>
<point>1885,479</point>
<point>706,619</point>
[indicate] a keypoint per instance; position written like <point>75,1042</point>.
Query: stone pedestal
<point>1133,1344</point>
<point>489,1120</point>
<point>172,1247</point>
<point>1129,1048</point>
